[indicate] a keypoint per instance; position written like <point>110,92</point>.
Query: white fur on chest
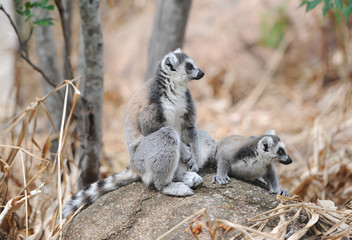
<point>250,168</point>
<point>174,106</point>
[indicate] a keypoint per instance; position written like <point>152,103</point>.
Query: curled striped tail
<point>92,192</point>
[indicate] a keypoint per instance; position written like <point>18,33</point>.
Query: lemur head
<point>179,65</point>
<point>271,146</point>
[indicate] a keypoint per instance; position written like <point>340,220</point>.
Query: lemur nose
<point>199,75</point>
<point>287,161</point>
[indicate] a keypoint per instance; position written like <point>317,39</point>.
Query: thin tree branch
<point>35,67</point>
<point>24,48</point>
<point>68,72</point>
<point>12,23</point>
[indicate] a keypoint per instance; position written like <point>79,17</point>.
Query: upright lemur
<point>161,135</point>
<point>251,158</point>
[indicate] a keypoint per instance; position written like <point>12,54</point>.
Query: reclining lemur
<point>251,158</point>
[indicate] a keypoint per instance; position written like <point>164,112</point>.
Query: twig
<point>24,48</point>
<point>182,222</point>
<point>17,201</point>
<point>35,67</point>
<point>68,72</point>
<point>59,151</point>
<point>25,192</point>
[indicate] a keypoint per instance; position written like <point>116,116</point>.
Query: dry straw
<point>294,219</point>
<point>38,214</point>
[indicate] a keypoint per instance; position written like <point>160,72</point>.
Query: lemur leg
<point>190,135</point>
<point>185,153</point>
<point>157,158</point>
<point>207,148</point>
<point>271,179</point>
<point>222,172</point>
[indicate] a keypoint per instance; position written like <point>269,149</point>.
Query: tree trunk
<point>46,51</point>
<point>168,31</point>
<point>93,91</point>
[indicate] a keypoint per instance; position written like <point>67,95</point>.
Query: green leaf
<point>19,12</point>
<point>347,11</point>
<point>28,5</point>
<point>36,4</point>
<point>326,7</point>
<point>311,5</point>
<point>339,4</point>
<point>303,3</point>
<point>50,7</point>
<point>27,12</point>
<point>44,22</point>
<point>19,4</point>
<point>29,16</point>
<point>45,2</point>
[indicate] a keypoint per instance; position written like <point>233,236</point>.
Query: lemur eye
<point>281,151</point>
<point>189,66</point>
<point>170,66</point>
<point>266,147</point>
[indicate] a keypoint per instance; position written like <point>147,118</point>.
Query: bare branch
<point>35,67</point>
<point>68,72</point>
<point>24,48</point>
<point>12,23</point>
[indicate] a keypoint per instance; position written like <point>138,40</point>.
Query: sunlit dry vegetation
<point>298,81</point>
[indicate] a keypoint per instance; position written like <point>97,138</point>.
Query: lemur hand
<point>193,165</point>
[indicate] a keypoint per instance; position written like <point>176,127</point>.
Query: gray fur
<point>92,192</point>
<point>161,135</point>
<point>251,159</point>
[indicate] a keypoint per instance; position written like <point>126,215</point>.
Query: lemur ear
<point>178,50</point>
<point>270,132</point>
<point>171,61</point>
<point>265,143</point>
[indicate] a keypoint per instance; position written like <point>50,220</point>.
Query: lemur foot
<point>221,179</point>
<point>282,192</point>
<point>261,180</point>
<point>192,179</point>
<point>177,189</point>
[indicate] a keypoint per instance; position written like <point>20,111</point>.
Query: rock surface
<point>136,212</point>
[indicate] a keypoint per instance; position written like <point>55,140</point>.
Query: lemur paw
<point>261,180</point>
<point>282,192</point>
<point>192,179</point>
<point>193,165</point>
<point>221,179</point>
<point>177,189</point>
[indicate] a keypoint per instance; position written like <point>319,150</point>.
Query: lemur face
<point>281,154</point>
<point>271,146</point>
<point>179,65</point>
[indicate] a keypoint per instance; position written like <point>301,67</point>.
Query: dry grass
<point>28,173</point>
<point>296,96</point>
<point>320,221</point>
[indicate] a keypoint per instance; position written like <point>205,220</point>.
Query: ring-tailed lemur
<point>161,135</point>
<point>251,159</point>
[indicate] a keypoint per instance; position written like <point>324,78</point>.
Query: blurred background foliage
<point>268,65</point>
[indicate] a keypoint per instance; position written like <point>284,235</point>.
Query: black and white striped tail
<point>92,192</point>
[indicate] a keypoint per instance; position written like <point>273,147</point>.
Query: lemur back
<point>251,158</point>
<point>160,134</point>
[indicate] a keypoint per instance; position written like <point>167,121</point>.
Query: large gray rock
<point>136,212</point>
